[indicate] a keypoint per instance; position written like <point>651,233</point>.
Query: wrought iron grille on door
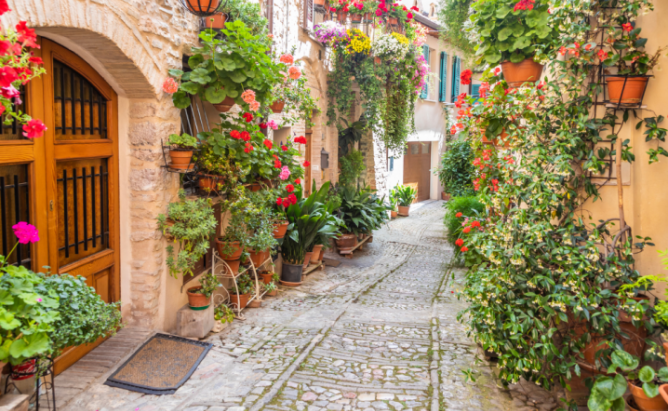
<point>14,200</point>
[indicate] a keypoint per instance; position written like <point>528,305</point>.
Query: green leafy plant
<point>245,285</point>
<point>83,317</point>
<point>456,171</point>
<point>504,32</point>
<point>653,131</point>
<point>190,224</point>
<point>361,210</point>
<point>453,16</point>
<point>351,166</point>
<point>184,141</point>
<point>606,394</point>
<point>224,314</point>
<point>249,13</point>
<point>208,282</point>
<point>227,67</point>
<point>458,210</point>
<point>623,47</point>
<point>350,134</point>
<point>405,195</point>
<point>270,287</point>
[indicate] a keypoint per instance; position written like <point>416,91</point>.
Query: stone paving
<point>379,332</point>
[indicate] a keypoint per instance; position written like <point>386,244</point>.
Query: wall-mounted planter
<point>277,106</point>
<point>626,89</point>
<point>356,18</point>
<point>181,159</point>
<point>517,74</point>
<point>342,16</point>
<point>225,106</point>
<point>216,22</point>
<point>202,6</point>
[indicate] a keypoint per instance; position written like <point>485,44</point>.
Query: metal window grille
<point>79,106</point>
<point>13,131</point>
<point>94,196</point>
<point>14,200</point>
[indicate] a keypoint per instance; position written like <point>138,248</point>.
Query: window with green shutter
<point>456,66</point>
<point>425,89</point>
<point>443,78</point>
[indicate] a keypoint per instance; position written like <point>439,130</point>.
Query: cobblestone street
<point>379,332</point>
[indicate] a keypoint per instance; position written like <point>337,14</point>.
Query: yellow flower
<point>400,38</point>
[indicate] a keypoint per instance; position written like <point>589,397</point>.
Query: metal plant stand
<point>44,396</point>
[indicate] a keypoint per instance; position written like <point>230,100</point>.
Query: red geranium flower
<point>475,224</point>
<point>235,134</point>
<point>292,198</point>
<point>459,214</point>
<point>286,203</point>
<point>26,36</point>
<point>279,201</point>
<point>466,230</point>
<point>263,125</point>
<point>268,143</point>
<point>459,242</point>
<point>627,27</point>
<point>7,76</point>
<point>249,148</point>
<point>36,60</point>
<point>464,249</point>
<point>248,117</point>
<point>245,136</point>
<point>284,148</point>
<point>277,163</point>
<point>300,140</point>
<point>34,128</point>
<point>290,188</point>
<point>298,181</point>
<point>306,163</point>
<point>466,76</point>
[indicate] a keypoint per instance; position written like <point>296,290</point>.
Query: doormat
<point>160,366</point>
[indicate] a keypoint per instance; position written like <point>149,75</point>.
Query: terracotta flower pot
<point>663,389</point>
<point>392,21</point>
<point>341,16</point>
<point>665,348</point>
<point>315,257</point>
<point>239,300</point>
<point>255,304</point>
<point>216,22</point>
<point>277,106</point>
<point>516,74</point>
<point>629,93</point>
<point>255,187</point>
<point>404,210</point>
<point>273,293</point>
<point>280,228</point>
<point>257,257</point>
<point>346,242</point>
<point>393,214</point>
<point>356,18</point>
<point>322,254</point>
<point>307,259</point>
<point>225,106</point>
<point>266,277</point>
<point>208,182</point>
<point>202,6</point>
<point>368,17</point>
<point>444,196</point>
<point>196,299</point>
<point>319,2</point>
<point>181,159</point>
<point>234,267</point>
<point>235,251</point>
<point>644,402</point>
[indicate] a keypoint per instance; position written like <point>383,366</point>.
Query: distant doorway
<point>417,163</point>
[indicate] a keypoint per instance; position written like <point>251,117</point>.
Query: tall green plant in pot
<point>515,34</point>
<point>405,195</point>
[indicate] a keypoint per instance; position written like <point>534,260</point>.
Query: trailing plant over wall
<point>454,16</point>
<point>352,166</point>
<point>545,279</point>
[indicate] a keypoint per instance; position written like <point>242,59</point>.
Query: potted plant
<point>216,22</point>
<point>202,6</point>
<point>394,200</point>
<point>519,36</point>
<point>245,288</point>
<point>361,212</point>
<point>644,385</point>
<point>624,49</point>
<point>199,297</point>
<point>216,173</point>
<point>271,289</point>
<point>266,276</point>
<point>244,65</point>
<point>341,8</point>
<point>405,195</point>
<point>181,149</point>
<point>292,94</point>
<point>330,32</point>
<point>391,47</point>
<point>193,223</point>
<point>224,314</point>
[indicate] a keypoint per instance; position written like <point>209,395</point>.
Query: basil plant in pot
<point>514,34</point>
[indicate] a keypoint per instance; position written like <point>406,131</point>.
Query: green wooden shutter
<point>425,89</point>
<point>455,77</point>
<point>443,77</point>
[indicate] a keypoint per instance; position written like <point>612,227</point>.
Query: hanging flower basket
<point>392,21</point>
<point>202,6</point>
<point>319,2</point>
<point>341,16</point>
<point>226,105</point>
<point>526,71</point>
<point>277,106</point>
<point>356,18</point>
<point>626,89</point>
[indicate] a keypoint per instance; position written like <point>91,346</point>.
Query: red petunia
<point>34,128</point>
<point>459,242</point>
<point>245,136</point>
<point>7,76</point>
<point>5,47</point>
<point>459,214</point>
<point>300,140</point>
<point>298,181</point>
<point>466,230</point>
<point>4,7</point>
<point>268,143</point>
<point>290,188</point>
<point>36,60</point>
<point>26,36</point>
<point>306,163</point>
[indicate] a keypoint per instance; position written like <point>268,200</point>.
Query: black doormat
<point>160,366</point>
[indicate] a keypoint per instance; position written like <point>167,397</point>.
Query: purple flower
<point>26,233</point>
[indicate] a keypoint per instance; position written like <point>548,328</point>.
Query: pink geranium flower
<point>272,124</point>
<point>170,86</point>
<point>33,129</point>
<point>285,173</point>
<point>26,233</point>
<point>287,59</point>
<point>248,96</point>
<point>254,105</point>
<point>294,72</point>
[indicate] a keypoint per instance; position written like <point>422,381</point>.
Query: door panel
<point>417,163</point>
<point>81,155</point>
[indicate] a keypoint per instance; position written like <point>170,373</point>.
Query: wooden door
<point>81,174</point>
<point>417,163</point>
